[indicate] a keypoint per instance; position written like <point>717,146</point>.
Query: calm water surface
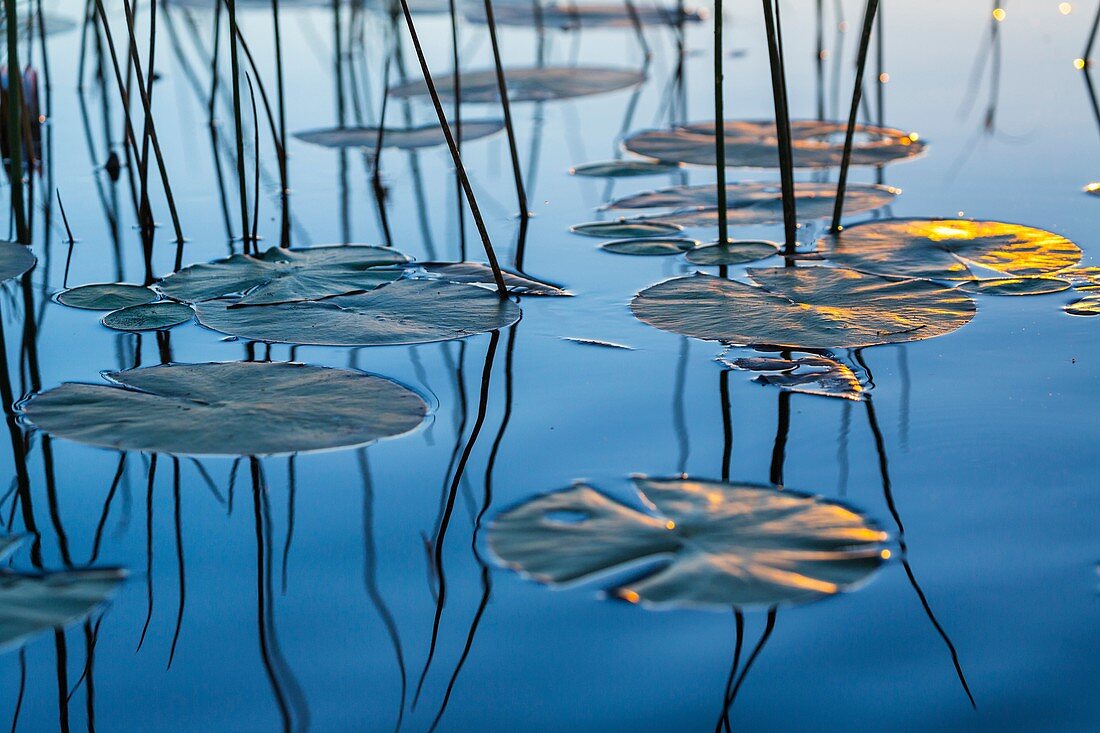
<point>311,605</point>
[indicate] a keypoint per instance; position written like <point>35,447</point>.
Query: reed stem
<point>15,124</point>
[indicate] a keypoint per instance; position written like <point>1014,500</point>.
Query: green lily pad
<point>1016,286</point>
<point>149,316</point>
<point>404,312</point>
<point>716,544</point>
<point>234,408</point>
<point>477,273</point>
<point>412,138</point>
<point>33,603</point>
<point>622,169</point>
<point>286,275</point>
<point>15,259</point>
<point>653,247</point>
<point>804,308</point>
<point>754,144</point>
<point>812,375</point>
<point>732,253</point>
<point>623,228</point>
<point>1086,306</point>
<point>537,84</point>
<point>948,249</point>
<point>106,296</point>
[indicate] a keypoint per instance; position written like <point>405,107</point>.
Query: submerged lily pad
<point>569,16</point>
<point>812,374</point>
<point>477,273</point>
<point>149,316</point>
<point>622,169</point>
<point>652,247</point>
<point>1016,286</point>
<point>732,253</point>
<point>623,228</point>
<point>286,275</point>
<point>106,296</point>
<point>234,408</point>
<point>754,144</point>
<point>948,249</point>
<point>411,138</point>
<point>537,84</point>
<point>715,544</point>
<point>15,259</point>
<point>33,603</point>
<point>755,202</point>
<point>1086,306</point>
<point>804,307</point>
<point>404,312</point>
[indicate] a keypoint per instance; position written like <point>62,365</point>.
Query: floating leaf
<point>804,307</point>
<point>234,408</point>
<point>404,312</point>
<point>1016,286</point>
<point>15,259</point>
<point>754,144</point>
<point>597,342</point>
<point>149,316</point>
<point>732,253</point>
<point>538,84</point>
<point>411,138</point>
<point>1082,278</point>
<point>947,249</point>
<point>106,296</point>
<point>1086,306</point>
<point>656,246</point>
<point>571,16</point>
<point>286,275</point>
<point>813,375</point>
<point>30,24</point>
<point>622,169</point>
<point>623,228</point>
<point>754,202</point>
<point>715,544</point>
<point>477,273</point>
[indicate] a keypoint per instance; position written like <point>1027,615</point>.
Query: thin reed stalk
<point>15,124</point>
<point>782,124</point>
<point>235,67</point>
<point>720,124</point>
<point>506,108</point>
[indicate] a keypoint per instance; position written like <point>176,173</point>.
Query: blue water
<point>990,433</point>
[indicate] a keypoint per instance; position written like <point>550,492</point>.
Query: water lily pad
<point>149,316</point>
<point>804,307</point>
<point>622,169</point>
<point>286,275</point>
<point>29,25</point>
<point>732,253</point>
<point>754,144</point>
<point>714,544</point>
<point>15,259</point>
<point>754,202</point>
<point>623,228</point>
<point>106,296</point>
<point>570,16</point>
<point>538,84</point>
<point>812,374</point>
<point>234,408</point>
<point>1082,278</point>
<point>477,273</point>
<point>1086,306</point>
<point>948,249</point>
<point>652,247</point>
<point>411,138</point>
<point>1016,286</point>
<point>405,312</point>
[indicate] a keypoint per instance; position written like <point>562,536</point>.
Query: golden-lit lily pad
<point>754,144</point>
<point>624,228</point>
<point>716,544</point>
<point>1016,286</point>
<point>541,83</point>
<point>628,168</point>
<point>804,307</point>
<point>732,252</point>
<point>410,138</point>
<point>570,16</point>
<point>811,374</point>
<point>404,312</point>
<point>106,296</point>
<point>286,275</point>
<point>149,316</point>
<point>949,249</point>
<point>233,408</point>
<point>1086,306</point>
<point>15,259</point>
<point>1081,278</point>
<point>32,603</point>
<point>652,247</point>
<point>477,273</point>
